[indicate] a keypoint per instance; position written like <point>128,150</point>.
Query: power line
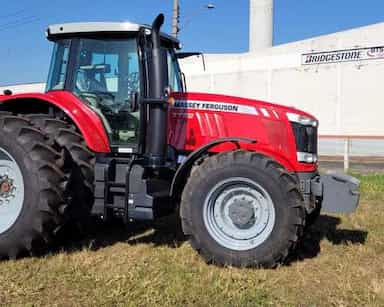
<point>17,23</point>
<point>21,20</point>
<point>17,13</point>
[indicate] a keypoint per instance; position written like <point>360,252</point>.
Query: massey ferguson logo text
<point>207,106</point>
<point>214,106</point>
<point>350,55</point>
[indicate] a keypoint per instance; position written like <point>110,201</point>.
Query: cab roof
<point>94,28</point>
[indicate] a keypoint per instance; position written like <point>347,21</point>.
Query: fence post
<point>347,147</point>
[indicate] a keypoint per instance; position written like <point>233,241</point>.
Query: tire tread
<point>287,183</point>
<point>46,216</point>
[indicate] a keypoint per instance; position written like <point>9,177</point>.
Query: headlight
<point>305,132</point>
<point>302,120</point>
<point>306,157</point>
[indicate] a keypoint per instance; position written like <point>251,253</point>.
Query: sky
<point>25,53</point>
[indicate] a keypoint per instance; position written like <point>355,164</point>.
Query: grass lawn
<point>339,263</point>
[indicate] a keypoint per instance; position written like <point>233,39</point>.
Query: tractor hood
<point>232,104</point>
<point>197,119</point>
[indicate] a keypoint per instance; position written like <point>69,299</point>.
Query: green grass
<point>372,186</point>
<point>339,263</point>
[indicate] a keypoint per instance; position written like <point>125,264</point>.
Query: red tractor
<point>117,135</point>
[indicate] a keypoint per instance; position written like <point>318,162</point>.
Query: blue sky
<point>25,54</point>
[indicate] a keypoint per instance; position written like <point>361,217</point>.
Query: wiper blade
<point>104,94</point>
<point>97,93</point>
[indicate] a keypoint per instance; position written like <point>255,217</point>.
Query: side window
<point>59,66</point>
<point>106,74</point>
<point>113,66</point>
<point>133,73</point>
<point>174,73</point>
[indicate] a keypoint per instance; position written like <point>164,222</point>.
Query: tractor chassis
<point>127,190</point>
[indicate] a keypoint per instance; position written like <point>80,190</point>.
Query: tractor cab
<point>107,66</point>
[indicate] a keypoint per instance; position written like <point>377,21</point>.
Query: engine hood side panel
<point>197,119</point>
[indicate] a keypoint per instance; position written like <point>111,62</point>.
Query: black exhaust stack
<point>156,144</point>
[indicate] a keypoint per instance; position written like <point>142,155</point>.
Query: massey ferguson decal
<point>214,106</point>
<point>351,55</point>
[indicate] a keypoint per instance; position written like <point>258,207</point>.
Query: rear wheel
<point>79,165</point>
<point>31,188</point>
<point>241,208</point>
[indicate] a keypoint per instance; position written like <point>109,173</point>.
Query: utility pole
<point>175,18</point>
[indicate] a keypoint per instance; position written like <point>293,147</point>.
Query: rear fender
<point>85,119</point>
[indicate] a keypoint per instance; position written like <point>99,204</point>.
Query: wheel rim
<point>239,214</point>
<point>11,191</point>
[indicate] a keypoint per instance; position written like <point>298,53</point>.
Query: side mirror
<point>134,102</point>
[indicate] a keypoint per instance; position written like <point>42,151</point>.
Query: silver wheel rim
<point>11,191</point>
<point>239,214</point>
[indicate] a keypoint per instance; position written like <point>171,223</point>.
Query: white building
<point>24,88</point>
<point>337,77</point>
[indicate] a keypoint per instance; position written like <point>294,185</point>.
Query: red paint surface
<point>190,129</point>
<point>85,119</point>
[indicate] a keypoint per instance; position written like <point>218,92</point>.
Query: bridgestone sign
<point>340,56</point>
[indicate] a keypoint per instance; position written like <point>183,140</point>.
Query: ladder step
<point>117,190</point>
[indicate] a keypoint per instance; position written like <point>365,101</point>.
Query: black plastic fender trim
<point>185,167</point>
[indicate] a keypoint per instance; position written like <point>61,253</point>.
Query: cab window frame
<point>70,78</point>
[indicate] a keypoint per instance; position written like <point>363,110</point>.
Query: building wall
<point>24,88</point>
<point>346,97</point>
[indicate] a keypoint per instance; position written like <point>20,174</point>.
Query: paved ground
<point>363,165</point>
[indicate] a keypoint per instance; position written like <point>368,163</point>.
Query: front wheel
<point>242,209</point>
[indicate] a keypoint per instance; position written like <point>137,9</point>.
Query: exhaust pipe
<point>156,144</point>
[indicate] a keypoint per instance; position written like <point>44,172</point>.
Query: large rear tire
<point>79,165</point>
<point>32,204</point>
<point>242,209</point>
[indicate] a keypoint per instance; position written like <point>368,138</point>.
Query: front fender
<point>86,120</point>
<point>183,170</point>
